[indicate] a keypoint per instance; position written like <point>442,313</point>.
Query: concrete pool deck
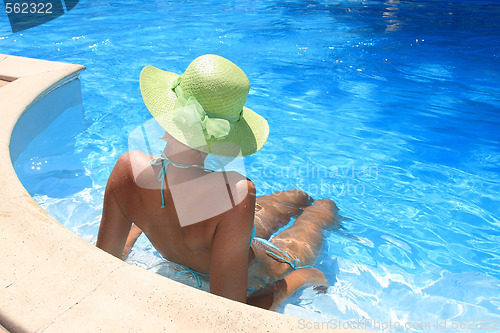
<point>51,280</point>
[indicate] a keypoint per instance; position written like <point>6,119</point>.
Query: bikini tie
<point>194,273</point>
<point>285,258</point>
<point>163,161</point>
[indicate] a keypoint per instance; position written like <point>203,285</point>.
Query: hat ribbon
<point>213,126</point>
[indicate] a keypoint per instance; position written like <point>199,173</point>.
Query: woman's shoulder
<point>235,178</point>
<point>135,167</point>
<point>135,156</point>
<point>239,185</point>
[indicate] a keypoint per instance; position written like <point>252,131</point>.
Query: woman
<point>206,221</point>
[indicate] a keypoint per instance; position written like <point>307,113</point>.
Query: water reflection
<point>391,16</point>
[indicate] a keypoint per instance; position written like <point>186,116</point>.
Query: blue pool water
<point>389,108</point>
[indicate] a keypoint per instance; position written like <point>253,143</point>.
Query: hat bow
<point>189,115</point>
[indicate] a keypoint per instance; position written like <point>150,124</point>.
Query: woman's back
<point>195,201</point>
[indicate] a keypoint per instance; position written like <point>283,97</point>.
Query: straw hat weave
<point>204,107</point>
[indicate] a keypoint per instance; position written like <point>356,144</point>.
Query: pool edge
<point>54,281</point>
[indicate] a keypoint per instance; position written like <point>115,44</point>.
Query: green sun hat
<point>204,107</point>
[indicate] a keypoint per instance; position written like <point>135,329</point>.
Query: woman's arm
<point>134,233</point>
<point>115,225</point>
<point>230,246</point>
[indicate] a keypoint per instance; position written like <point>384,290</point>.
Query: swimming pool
<point>388,108</point>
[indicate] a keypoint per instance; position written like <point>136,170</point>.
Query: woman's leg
<point>273,294</point>
<point>275,210</point>
<point>302,241</point>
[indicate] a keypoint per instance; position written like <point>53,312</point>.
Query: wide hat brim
<point>248,135</point>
